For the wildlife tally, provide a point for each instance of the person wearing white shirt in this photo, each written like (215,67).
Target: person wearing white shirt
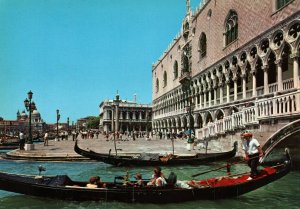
(253,152)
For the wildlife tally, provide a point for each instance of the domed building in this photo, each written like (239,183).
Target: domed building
(36,120)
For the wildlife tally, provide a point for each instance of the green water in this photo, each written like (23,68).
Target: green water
(284,193)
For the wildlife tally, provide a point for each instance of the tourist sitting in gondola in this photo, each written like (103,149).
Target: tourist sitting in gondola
(95,182)
(158,179)
(139,180)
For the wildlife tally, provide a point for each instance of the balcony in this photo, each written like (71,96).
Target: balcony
(185,77)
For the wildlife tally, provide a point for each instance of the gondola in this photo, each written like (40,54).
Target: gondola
(62,187)
(150,159)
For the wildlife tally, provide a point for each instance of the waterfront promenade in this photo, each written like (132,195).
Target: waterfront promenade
(63,150)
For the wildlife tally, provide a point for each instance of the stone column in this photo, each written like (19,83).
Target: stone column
(117,117)
(295,69)
(253,72)
(200,98)
(127,115)
(215,95)
(105,114)
(228,90)
(133,115)
(209,96)
(121,115)
(235,88)
(221,86)
(278,62)
(244,85)
(204,98)
(266,81)
(112,120)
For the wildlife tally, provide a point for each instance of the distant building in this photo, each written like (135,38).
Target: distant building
(131,116)
(82,123)
(12,127)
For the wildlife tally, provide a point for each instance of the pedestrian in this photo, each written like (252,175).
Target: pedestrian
(73,135)
(253,152)
(46,139)
(21,140)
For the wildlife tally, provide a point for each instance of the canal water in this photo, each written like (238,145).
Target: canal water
(284,193)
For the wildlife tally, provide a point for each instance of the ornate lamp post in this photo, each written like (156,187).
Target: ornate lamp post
(30,106)
(68,127)
(57,119)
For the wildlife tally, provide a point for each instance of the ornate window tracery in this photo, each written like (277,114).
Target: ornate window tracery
(231,27)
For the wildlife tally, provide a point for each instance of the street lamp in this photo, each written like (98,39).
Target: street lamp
(57,119)
(68,121)
(30,106)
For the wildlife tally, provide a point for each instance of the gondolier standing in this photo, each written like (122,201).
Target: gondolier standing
(253,152)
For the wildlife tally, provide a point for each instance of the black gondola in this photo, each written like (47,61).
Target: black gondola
(149,159)
(62,187)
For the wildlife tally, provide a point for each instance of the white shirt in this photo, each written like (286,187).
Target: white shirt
(21,135)
(252,147)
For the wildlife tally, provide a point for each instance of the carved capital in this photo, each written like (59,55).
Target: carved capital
(234,78)
(243,75)
(278,62)
(295,55)
(265,68)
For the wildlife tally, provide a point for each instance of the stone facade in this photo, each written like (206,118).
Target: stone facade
(241,62)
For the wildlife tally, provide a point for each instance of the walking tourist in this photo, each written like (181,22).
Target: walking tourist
(21,140)
(46,139)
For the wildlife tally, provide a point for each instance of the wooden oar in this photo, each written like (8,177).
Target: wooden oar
(225,166)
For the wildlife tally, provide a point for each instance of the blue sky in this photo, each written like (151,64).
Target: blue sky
(72,54)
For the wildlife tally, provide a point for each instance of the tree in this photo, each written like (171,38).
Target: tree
(93,122)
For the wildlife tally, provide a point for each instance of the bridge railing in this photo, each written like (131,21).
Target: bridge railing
(279,135)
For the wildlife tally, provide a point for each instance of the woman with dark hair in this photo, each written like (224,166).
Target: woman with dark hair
(158,178)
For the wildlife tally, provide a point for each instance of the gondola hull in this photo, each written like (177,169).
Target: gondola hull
(62,187)
(196,159)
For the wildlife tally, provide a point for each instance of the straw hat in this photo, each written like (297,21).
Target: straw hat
(247,134)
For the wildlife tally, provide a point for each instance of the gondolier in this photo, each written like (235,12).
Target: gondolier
(253,152)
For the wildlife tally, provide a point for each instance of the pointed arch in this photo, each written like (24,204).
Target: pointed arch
(231,27)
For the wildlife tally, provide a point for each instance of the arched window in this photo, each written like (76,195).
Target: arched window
(231,27)
(175,69)
(185,63)
(157,85)
(202,45)
(165,79)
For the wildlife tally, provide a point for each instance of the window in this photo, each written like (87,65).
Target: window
(281,3)
(231,27)
(175,69)
(202,45)
(157,85)
(165,79)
